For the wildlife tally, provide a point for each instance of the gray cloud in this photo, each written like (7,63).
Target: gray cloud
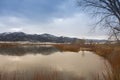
(57,17)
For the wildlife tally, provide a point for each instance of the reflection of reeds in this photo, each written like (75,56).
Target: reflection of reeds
(8,45)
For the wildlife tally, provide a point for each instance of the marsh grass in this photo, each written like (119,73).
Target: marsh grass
(68,47)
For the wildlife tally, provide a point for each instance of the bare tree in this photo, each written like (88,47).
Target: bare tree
(107,13)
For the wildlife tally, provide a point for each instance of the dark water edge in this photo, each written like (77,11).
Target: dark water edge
(23,50)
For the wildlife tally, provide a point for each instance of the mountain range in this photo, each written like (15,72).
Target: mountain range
(21,36)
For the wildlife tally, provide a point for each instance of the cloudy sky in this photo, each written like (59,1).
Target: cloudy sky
(57,17)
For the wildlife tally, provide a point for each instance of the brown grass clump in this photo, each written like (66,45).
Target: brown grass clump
(102,50)
(68,47)
(111,53)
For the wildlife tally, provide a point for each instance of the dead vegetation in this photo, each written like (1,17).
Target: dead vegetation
(68,47)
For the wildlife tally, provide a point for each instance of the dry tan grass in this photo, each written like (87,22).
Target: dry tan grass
(68,47)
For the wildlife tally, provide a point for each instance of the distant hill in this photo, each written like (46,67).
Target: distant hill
(20,36)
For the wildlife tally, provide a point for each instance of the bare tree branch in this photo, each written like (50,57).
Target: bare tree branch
(108,12)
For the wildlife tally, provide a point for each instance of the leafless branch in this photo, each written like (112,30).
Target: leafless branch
(108,12)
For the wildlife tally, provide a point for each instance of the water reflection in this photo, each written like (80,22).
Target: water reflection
(58,66)
(22,50)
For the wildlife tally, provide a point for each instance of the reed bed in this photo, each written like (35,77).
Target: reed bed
(68,47)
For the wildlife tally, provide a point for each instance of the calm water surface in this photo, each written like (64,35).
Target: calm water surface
(27,62)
